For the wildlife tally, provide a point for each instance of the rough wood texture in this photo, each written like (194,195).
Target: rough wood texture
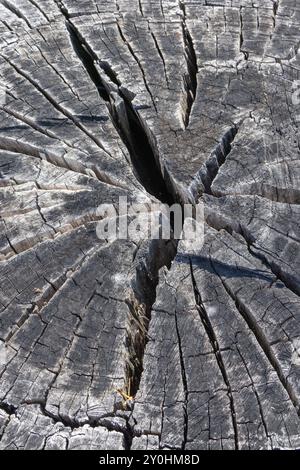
(170,100)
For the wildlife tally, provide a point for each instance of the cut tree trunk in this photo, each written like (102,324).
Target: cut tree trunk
(149,345)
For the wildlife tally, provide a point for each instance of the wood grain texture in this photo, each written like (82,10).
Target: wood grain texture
(172,101)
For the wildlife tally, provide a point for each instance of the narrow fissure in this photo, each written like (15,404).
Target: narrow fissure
(41,10)
(212,166)
(63,110)
(216,348)
(141,8)
(138,62)
(261,412)
(161,56)
(13,9)
(190,79)
(184,384)
(161,254)
(241,30)
(275,10)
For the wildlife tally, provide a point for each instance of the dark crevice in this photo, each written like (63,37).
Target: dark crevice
(190,79)
(41,213)
(161,253)
(146,163)
(133,131)
(8,408)
(217,351)
(10,411)
(141,7)
(144,289)
(275,6)
(128,436)
(13,249)
(246,54)
(275,10)
(89,59)
(241,30)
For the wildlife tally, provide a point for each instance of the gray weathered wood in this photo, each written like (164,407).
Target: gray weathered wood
(171,101)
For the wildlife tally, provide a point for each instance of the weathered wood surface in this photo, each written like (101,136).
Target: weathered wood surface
(156,100)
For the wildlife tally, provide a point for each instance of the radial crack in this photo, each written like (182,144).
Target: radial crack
(210,170)
(15,10)
(275,10)
(261,412)
(138,62)
(230,226)
(59,160)
(217,351)
(260,337)
(56,105)
(34,3)
(161,56)
(190,79)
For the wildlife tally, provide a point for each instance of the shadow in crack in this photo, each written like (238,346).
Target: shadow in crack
(225,270)
(13,128)
(79,117)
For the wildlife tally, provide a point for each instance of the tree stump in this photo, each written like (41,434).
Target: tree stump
(149,345)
